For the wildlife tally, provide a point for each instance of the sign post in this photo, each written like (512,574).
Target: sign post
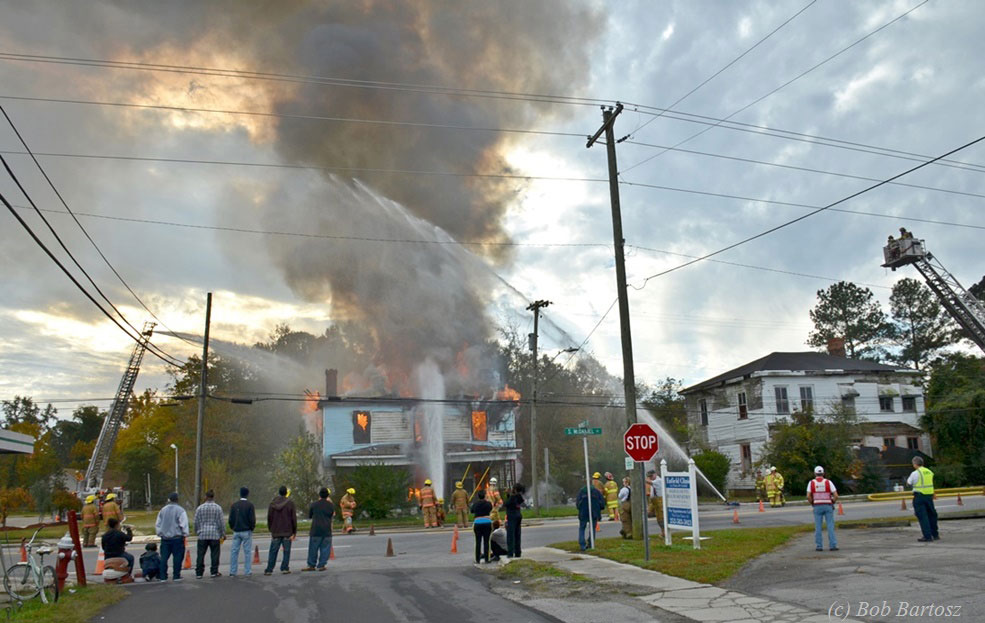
(583,431)
(680,502)
(641,443)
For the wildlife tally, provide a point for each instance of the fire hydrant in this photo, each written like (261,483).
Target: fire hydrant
(66,554)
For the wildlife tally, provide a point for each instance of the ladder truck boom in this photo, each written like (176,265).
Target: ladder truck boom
(963,306)
(111,426)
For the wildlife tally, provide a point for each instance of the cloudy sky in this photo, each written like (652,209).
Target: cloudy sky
(422,170)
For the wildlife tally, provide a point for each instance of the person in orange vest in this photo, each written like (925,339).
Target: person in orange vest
(460,504)
(90,522)
(493,497)
(611,492)
(427,505)
(348,506)
(112,509)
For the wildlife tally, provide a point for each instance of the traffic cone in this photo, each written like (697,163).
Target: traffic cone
(331,554)
(902,504)
(454,541)
(841,509)
(24,551)
(100,563)
(735,515)
(188,557)
(389,548)
(761,509)
(256,554)
(960,503)
(372,530)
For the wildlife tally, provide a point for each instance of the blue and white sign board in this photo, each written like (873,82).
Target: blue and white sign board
(680,497)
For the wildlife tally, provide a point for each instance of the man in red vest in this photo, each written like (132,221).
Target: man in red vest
(822,495)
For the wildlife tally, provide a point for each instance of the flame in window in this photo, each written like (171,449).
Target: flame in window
(362,420)
(480,428)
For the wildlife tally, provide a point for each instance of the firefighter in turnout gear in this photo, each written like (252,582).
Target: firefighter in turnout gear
(760,486)
(460,504)
(348,506)
(90,522)
(440,512)
(427,505)
(493,497)
(611,497)
(597,483)
(774,487)
(111,508)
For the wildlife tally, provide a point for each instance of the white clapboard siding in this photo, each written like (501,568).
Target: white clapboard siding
(457,427)
(391,427)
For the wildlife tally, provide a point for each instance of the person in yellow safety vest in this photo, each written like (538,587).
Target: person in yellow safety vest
(427,505)
(440,512)
(460,504)
(90,522)
(922,481)
(611,497)
(760,486)
(493,497)
(348,505)
(111,508)
(774,485)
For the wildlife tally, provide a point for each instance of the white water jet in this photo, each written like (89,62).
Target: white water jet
(667,440)
(431,387)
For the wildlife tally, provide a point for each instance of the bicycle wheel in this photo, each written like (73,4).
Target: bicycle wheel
(19,582)
(49,584)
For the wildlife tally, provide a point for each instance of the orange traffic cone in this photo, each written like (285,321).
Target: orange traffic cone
(389,548)
(331,554)
(188,557)
(902,504)
(761,509)
(372,530)
(735,515)
(24,551)
(454,541)
(960,503)
(100,563)
(256,554)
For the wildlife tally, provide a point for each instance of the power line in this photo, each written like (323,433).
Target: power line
(808,215)
(784,85)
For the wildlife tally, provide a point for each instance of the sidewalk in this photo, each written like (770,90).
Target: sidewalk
(691,601)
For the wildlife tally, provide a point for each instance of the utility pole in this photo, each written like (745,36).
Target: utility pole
(609,115)
(535,307)
(201,402)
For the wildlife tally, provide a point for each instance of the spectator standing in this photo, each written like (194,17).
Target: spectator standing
(481,526)
(172,528)
(922,482)
(514,517)
(282,520)
(115,541)
(822,495)
(626,509)
(320,539)
(242,521)
(655,497)
(210,527)
(585,502)
(497,541)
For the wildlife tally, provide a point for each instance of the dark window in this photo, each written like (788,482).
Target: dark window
(913,443)
(362,427)
(480,429)
(703,405)
(848,404)
(909,403)
(746,457)
(889,442)
(743,411)
(886,403)
(782,400)
(807,399)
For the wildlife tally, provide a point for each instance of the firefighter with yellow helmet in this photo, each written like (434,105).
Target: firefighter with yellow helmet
(611,492)
(428,501)
(112,508)
(493,497)
(597,483)
(774,487)
(348,505)
(460,504)
(90,522)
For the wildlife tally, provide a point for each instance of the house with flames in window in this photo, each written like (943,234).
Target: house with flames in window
(478,435)
(734,412)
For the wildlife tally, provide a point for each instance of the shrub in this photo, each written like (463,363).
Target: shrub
(715,466)
(379,488)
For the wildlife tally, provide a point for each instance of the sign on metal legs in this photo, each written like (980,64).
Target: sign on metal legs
(680,494)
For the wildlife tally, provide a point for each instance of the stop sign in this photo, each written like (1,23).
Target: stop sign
(641,442)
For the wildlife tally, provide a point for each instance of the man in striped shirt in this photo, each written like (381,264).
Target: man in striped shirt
(210,526)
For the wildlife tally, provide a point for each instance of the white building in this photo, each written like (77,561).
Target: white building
(733,411)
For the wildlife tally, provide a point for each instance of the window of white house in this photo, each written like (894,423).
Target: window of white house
(848,404)
(746,458)
(703,405)
(889,442)
(910,403)
(913,443)
(782,401)
(886,404)
(743,411)
(806,398)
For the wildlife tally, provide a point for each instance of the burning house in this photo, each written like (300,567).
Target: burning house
(465,437)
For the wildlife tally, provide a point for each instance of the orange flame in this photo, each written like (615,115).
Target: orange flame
(362,419)
(508,393)
(413,494)
(480,432)
(311,400)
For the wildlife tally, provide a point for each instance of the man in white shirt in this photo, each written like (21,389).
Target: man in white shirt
(822,495)
(922,483)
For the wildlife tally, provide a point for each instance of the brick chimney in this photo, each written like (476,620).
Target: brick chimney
(331,383)
(836,346)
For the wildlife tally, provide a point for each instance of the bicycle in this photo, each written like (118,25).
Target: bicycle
(26,580)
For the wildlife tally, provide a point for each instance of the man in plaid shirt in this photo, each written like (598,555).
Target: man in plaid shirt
(210,526)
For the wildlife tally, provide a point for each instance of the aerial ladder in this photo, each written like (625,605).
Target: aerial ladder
(111,426)
(963,306)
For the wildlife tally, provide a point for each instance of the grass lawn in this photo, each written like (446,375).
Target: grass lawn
(77,607)
(532,570)
(718,559)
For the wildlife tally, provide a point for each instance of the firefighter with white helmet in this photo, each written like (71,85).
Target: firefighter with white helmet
(494,497)
(428,501)
(90,522)
(611,492)
(460,504)
(348,505)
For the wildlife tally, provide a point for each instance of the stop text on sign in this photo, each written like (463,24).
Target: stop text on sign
(641,443)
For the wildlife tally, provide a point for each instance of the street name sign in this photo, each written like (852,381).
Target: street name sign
(583,431)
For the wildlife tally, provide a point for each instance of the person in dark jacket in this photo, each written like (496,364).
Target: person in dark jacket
(242,521)
(320,540)
(282,520)
(481,526)
(150,563)
(115,541)
(514,515)
(582,502)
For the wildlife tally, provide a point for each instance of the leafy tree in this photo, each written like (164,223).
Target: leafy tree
(920,326)
(848,311)
(667,407)
(798,444)
(715,466)
(299,467)
(22,415)
(64,500)
(13,498)
(72,437)
(955,415)
(379,488)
